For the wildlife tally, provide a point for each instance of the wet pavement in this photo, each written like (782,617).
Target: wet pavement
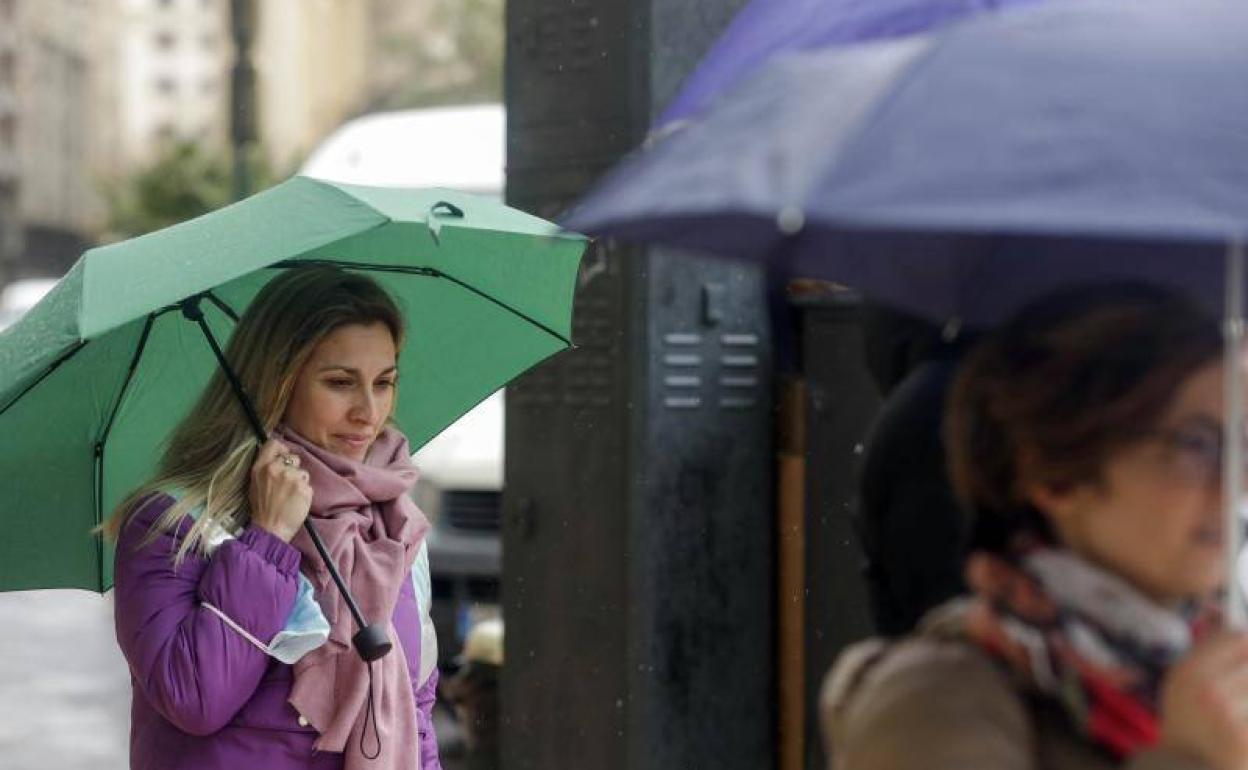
(64,688)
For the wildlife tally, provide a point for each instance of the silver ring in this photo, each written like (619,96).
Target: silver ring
(288,460)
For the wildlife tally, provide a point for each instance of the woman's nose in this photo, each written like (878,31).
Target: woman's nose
(365,407)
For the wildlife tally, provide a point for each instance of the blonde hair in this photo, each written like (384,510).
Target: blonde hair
(209,455)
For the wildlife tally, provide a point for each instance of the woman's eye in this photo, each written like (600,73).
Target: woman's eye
(385,384)
(339,384)
(1201,444)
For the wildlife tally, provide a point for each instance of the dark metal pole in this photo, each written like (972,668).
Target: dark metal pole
(242,94)
(371,641)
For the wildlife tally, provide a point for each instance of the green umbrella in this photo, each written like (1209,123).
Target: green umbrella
(96,375)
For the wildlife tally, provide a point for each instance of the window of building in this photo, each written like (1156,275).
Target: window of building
(165,3)
(209,41)
(8,9)
(166,86)
(165,133)
(166,40)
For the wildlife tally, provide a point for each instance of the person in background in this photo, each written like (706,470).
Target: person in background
(910,527)
(1085,440)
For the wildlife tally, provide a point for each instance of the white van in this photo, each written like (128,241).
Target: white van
(20,296)
(457,147)
(461,148)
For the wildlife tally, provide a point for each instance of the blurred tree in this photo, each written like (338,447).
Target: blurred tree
(183,182)
(436,52)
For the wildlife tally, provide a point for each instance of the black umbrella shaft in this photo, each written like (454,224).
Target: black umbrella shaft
(192,311)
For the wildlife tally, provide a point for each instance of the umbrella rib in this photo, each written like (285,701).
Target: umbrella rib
(429,272)
(222,306)
(103,438)
(134,365)
(46,373)
(506,307)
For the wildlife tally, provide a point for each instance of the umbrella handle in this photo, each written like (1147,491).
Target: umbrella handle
(371,641)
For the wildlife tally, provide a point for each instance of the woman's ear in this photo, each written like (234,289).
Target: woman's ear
(1049,499)
(1058,502)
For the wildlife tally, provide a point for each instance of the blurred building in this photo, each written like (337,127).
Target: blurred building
(93,90)
(173,75)
(434,53)
(10,227)
(311,63)
(49,138)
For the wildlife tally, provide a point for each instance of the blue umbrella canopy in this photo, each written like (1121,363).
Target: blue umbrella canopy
(765,29)
(960,172)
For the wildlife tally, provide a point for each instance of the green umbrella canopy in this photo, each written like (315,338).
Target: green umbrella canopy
(94,377)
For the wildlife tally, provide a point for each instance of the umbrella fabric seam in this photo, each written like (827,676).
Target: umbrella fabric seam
(46,373)
(558,232)
(428,272)
(902,83)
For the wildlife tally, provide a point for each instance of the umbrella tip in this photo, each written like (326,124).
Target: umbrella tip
(790,220)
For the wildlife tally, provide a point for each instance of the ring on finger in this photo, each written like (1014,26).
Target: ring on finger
(288,460)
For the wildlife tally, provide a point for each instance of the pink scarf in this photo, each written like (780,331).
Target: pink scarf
(372,529)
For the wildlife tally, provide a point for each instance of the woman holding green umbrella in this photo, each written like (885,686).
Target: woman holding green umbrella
(239,646)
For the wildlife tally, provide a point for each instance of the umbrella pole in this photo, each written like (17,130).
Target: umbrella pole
(371,641)
(1233,427)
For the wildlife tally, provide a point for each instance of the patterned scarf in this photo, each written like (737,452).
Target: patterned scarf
(372,530)
(1078,635)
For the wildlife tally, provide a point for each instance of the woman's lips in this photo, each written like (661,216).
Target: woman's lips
(357,442)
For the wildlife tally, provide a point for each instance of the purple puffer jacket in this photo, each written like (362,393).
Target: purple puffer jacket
(205,698)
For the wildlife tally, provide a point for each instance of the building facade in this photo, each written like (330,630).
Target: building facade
(49,140)
(311,66)
(172,69)
(93,90)
(10,223)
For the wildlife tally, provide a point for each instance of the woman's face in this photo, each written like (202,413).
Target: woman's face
(345,392)
(1155,517)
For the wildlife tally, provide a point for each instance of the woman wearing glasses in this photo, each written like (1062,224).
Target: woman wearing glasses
(1085,438)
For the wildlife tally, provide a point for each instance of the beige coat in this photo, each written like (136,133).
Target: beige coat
(925,703)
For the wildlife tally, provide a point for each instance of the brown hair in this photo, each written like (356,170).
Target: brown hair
(209,454)
(1071,380)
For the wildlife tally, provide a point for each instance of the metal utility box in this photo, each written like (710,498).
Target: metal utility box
(638,547)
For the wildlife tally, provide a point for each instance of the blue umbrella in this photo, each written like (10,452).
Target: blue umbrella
(767,28)
(931,171)
(960,173)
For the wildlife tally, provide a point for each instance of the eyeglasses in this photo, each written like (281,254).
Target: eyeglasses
(1195,451)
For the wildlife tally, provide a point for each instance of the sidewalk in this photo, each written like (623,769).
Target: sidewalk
(64,687)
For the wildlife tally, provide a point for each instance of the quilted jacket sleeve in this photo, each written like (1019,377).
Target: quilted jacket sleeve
(426,696)
(189,663)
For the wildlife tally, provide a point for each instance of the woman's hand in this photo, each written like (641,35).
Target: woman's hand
(1204,703)
(280,494)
